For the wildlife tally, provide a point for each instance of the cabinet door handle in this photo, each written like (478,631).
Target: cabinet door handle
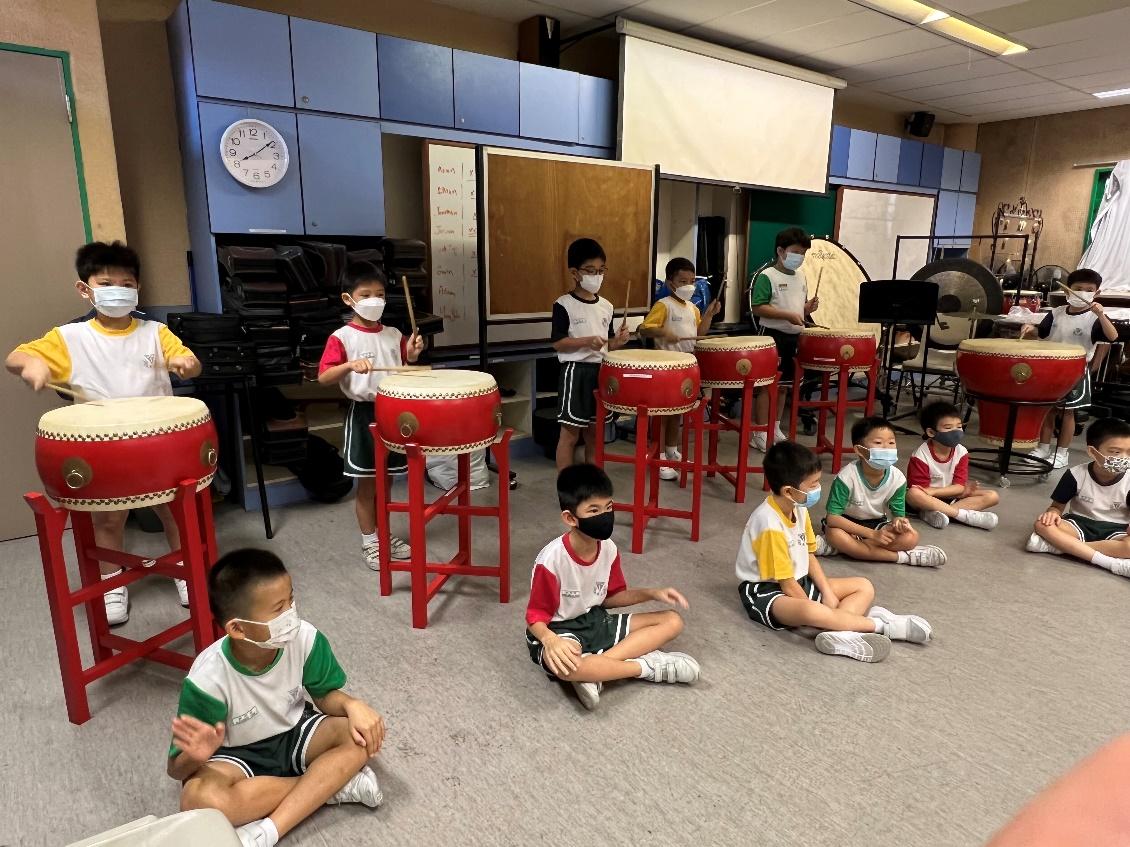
(305,100)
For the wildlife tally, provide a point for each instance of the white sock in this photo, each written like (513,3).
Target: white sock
(368,539)
(1046,446)
(963,514)
(264,827)
(670,452)
(1061,451)
(903,557)
(880,626)
(115,573)
(1107,563)
(645,668)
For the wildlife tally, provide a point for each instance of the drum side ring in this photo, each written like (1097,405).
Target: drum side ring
(123,436)
(152,498)
(397,447)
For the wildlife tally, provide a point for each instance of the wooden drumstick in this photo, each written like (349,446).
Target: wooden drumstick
(627,300)
(69,392)
(408,300)
(1072,293)
(819,274)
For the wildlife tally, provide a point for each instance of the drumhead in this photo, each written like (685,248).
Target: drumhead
(735,343)
(839,275)
(128,417)
(820,332)
(1014,347)
(655,360)
(439,384)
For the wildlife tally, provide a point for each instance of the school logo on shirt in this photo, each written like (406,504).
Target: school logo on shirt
(296,696)
(150,360)
(246,716)
(570,592)
(600,587)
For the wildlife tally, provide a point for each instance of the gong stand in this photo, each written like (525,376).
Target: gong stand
(1010,220)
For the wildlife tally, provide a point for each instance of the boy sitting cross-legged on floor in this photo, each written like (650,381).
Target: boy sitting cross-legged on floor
(937,476)
(1090,507)
(783,584)
(576,579)
(246,740)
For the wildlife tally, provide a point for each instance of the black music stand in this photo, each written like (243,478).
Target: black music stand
(899,302)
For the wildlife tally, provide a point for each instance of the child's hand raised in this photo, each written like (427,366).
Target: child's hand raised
(415,346)
(670,596)
(198,740)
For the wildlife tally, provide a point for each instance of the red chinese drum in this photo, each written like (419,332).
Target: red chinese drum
(108,455)
(667,383)
(730,362)
(1029,300)
(440,411)
(1005,369)
(829,349)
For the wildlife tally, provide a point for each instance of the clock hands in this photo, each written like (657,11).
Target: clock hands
(257,152)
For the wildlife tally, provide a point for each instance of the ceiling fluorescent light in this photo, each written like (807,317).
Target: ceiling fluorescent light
(910,11)
(975,36)
(1118,92)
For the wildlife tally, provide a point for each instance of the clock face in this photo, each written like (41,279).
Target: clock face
(254,153)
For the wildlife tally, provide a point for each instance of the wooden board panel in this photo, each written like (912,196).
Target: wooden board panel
(537,205)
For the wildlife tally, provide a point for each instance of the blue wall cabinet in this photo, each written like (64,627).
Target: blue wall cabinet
(887,151)
(838,158)
(232,206)
(335,68)
(910,162)
(963,220)
(861,155)
(486,93)
(946,218)
(951,169)
(342,176)
(598,111)
(970,171)
(549,103)
(932,155)
(417,83)
(241,54)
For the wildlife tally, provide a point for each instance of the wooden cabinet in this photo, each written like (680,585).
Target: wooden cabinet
(417,82)
(335,68)
(486,93)
(342,176)
(240,54)
(549,103)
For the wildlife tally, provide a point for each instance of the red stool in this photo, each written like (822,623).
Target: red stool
(192,510)
(647,460)
(455,501)
(838,406)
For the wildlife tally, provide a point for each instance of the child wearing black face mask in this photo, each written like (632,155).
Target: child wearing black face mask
(576,578)
(937,477)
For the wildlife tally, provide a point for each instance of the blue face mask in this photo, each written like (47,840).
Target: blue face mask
(881,458)
(812,498)
(792,261)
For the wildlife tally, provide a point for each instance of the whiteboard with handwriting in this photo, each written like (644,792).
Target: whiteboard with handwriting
(453,234)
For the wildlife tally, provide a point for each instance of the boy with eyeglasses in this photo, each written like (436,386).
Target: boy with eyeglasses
(581,331)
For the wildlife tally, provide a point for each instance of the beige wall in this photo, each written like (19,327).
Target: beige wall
(148,154)
(72,25)
(857,115)
(1033,157)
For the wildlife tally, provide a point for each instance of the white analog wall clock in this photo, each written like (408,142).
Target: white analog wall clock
(254,153)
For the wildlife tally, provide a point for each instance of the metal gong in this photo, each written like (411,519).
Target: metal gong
(965,288)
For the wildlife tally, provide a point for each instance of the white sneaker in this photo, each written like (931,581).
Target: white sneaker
(117,606)
(372,554)
(1044,451)
(938,520)
(363,788)
(182,592)
(861,646)
(1036,544)
(758,441)
(1121,567)
(981,520)
(824,549)
(670,667)
(926,556)
(399,549)
(779,434)
(253,835)
(668,473)
(902,627)
(1062,459)
(588,693)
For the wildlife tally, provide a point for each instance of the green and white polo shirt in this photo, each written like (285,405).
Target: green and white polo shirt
(856,499)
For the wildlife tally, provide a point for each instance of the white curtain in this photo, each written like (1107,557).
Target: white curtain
(1109,253)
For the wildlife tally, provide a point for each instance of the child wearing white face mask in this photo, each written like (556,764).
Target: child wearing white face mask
(1090,507)
(112,355)
(353,359)
(247,740)
(674,323)
(866,511)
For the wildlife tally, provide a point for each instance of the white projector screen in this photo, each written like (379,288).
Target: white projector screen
(704,118)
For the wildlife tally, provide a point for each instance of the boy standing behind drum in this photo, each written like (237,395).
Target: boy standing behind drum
(581,328)
(112,355)
(354,358)
(780,302)
(674,323)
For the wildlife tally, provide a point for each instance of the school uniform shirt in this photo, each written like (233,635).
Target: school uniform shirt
(1086,497)
(254,705)
(773,547)
(1064,327)
(577,318)
(926,470)
(782,291)
(104,364)
(384,346)
(679,316)
(853,497)
(564,586)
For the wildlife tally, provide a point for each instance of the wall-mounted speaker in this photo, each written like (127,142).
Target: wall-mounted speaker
(539,41)
(920,123)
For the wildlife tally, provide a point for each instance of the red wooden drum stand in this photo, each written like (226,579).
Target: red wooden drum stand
(647,460)
(837,406)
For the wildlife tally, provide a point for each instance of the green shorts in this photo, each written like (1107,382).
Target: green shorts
(1089,529)
(576,394)
(596,631)
(758,598)
(360,453)
(280,755)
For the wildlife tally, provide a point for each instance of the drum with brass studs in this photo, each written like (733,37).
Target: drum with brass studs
(830,349)
(108,455)
(730,362)
(667,383)
(440,411)
(1007,369)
